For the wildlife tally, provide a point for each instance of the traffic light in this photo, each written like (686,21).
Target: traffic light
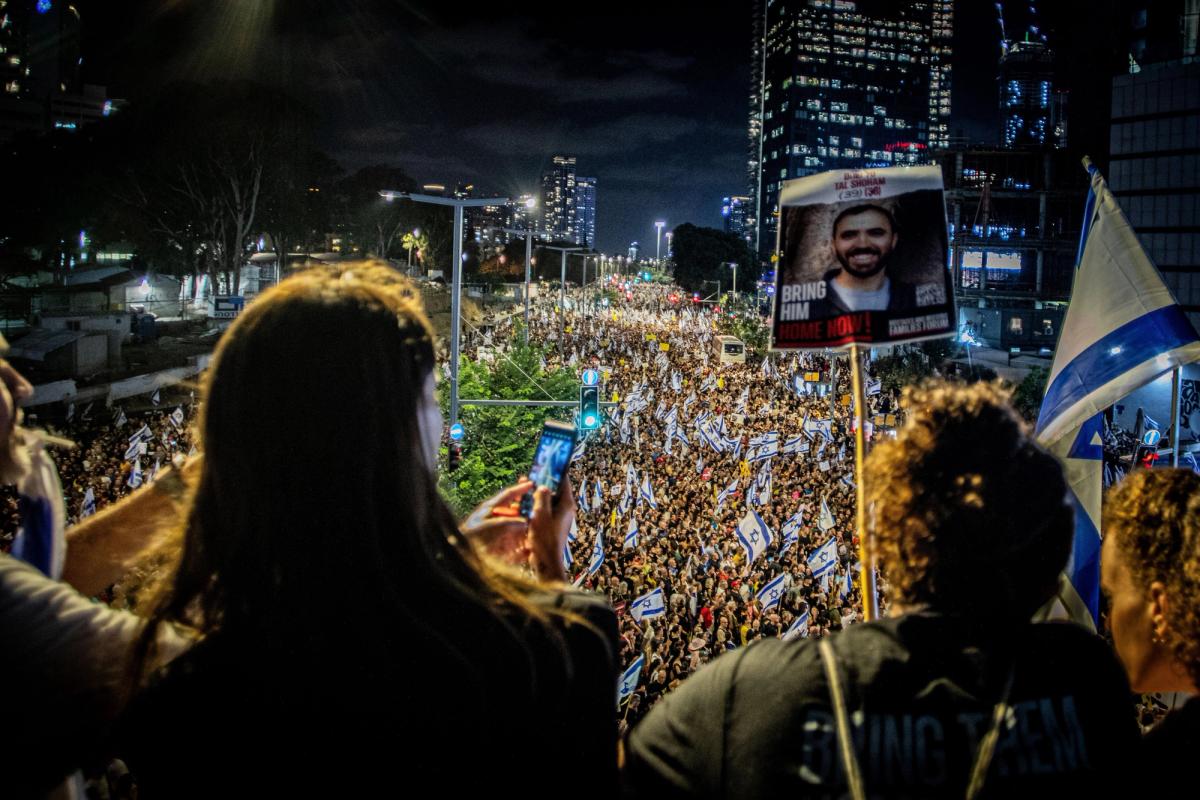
(453,456)
(589,408)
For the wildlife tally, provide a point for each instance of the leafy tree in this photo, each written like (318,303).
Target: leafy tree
(499,441)
(703,254)
(1027,398)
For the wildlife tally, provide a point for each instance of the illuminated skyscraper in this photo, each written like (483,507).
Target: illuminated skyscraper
(736,212)
(849,84)
(559,212)
(585,211)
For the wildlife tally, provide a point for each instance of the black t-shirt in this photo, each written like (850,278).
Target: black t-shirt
(221,721)
(920,690)
(1175,740)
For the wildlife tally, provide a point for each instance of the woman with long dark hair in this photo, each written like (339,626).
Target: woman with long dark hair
(350,636)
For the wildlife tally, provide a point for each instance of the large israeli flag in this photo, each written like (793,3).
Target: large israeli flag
(629,680)
(770,595)
(631,535)
(791,531)
(753,535)
(797,444)
(825,519)
(40,539)
(651,604)
(597,553)
(1123,329)
(797,629)
(823,559)
(647,492)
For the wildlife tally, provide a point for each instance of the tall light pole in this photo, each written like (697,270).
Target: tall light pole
(455,271)
(562,288)
(670,236)
(528,234)
(658,229)
(734,265)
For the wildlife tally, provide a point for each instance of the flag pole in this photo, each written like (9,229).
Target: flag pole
(867,581)
(1176,378)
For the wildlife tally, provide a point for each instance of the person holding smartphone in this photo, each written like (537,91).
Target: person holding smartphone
(345,634)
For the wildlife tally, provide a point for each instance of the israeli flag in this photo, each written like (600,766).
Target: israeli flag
(155,398)
(676,382)
(708,383)
(753,535)
(821,447)
(848,479)
(823,559)
(769,450)
(629,680)
(770,595)
(1189,460)
(132,451)
(648,491)
(177,417)
(583,497)
(153,471)
(631,535)
(651,604)
(566,556)
(825,520)
(797,629)
(700,464)
(691,398)
(1122,330)
(88,507)
(791,531)
(712,441)
(598,497)
(745,398)
(135,475)
(1151,425)
(40,540)
(874,386)
(577,453)
(846,583)
(764,438)
(143,434)
(626,502)
(724,494)
(121,419)
(597,553)
(794,445)
(573,534)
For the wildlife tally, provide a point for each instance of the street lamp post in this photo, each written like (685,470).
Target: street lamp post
(458,203)
(562,288)
(658,229)
(734,265)
(528,234)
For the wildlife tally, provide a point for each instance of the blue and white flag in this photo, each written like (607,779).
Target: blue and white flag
(597,553)
(1122,330)
(797,629)
(135,474)
(573,534)
(132,451)
(745,398)
(142,434)
(728,490)
(824,427)
(846,582)
(825,520)
(153,472)
(676,381)
(691,398)
(566,556)
(768,450)
(177,417)
(88,506)
(120,419)
(772,593)
(765,369)
(791,531)
(1151,425)
(629,680)
(577,453)
(797,444)
(848,479)
(631,534)
(40,540)
(583,497)
(874,386)
(764,438)
(708,383)
(651,604)
(647,492)
(598,498)
(155,398)
(1189,460)
(823,559)
(715,442)
(700,464)
(753,535)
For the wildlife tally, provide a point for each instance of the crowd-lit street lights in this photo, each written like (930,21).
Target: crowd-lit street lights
(658,229)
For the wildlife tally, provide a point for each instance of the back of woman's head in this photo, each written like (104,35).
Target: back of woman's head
(970,514)
(1153,517)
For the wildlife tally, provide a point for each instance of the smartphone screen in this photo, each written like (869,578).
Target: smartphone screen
(550,460)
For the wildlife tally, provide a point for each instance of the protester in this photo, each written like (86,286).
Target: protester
(1150,572)
(956,692)
(351,638)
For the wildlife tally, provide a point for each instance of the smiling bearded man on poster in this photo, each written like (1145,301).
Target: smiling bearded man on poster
(863,238)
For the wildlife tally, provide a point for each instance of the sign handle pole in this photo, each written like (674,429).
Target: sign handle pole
(867,584)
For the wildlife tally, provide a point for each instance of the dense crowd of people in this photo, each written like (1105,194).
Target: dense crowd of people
(660,363)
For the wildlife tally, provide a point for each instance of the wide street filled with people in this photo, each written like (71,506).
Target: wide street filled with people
(694,447)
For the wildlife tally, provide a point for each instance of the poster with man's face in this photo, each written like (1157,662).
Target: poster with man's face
(862,258)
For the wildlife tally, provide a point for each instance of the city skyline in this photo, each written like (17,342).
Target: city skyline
(653,99)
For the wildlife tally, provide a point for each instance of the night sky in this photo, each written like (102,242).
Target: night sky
(651,98)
